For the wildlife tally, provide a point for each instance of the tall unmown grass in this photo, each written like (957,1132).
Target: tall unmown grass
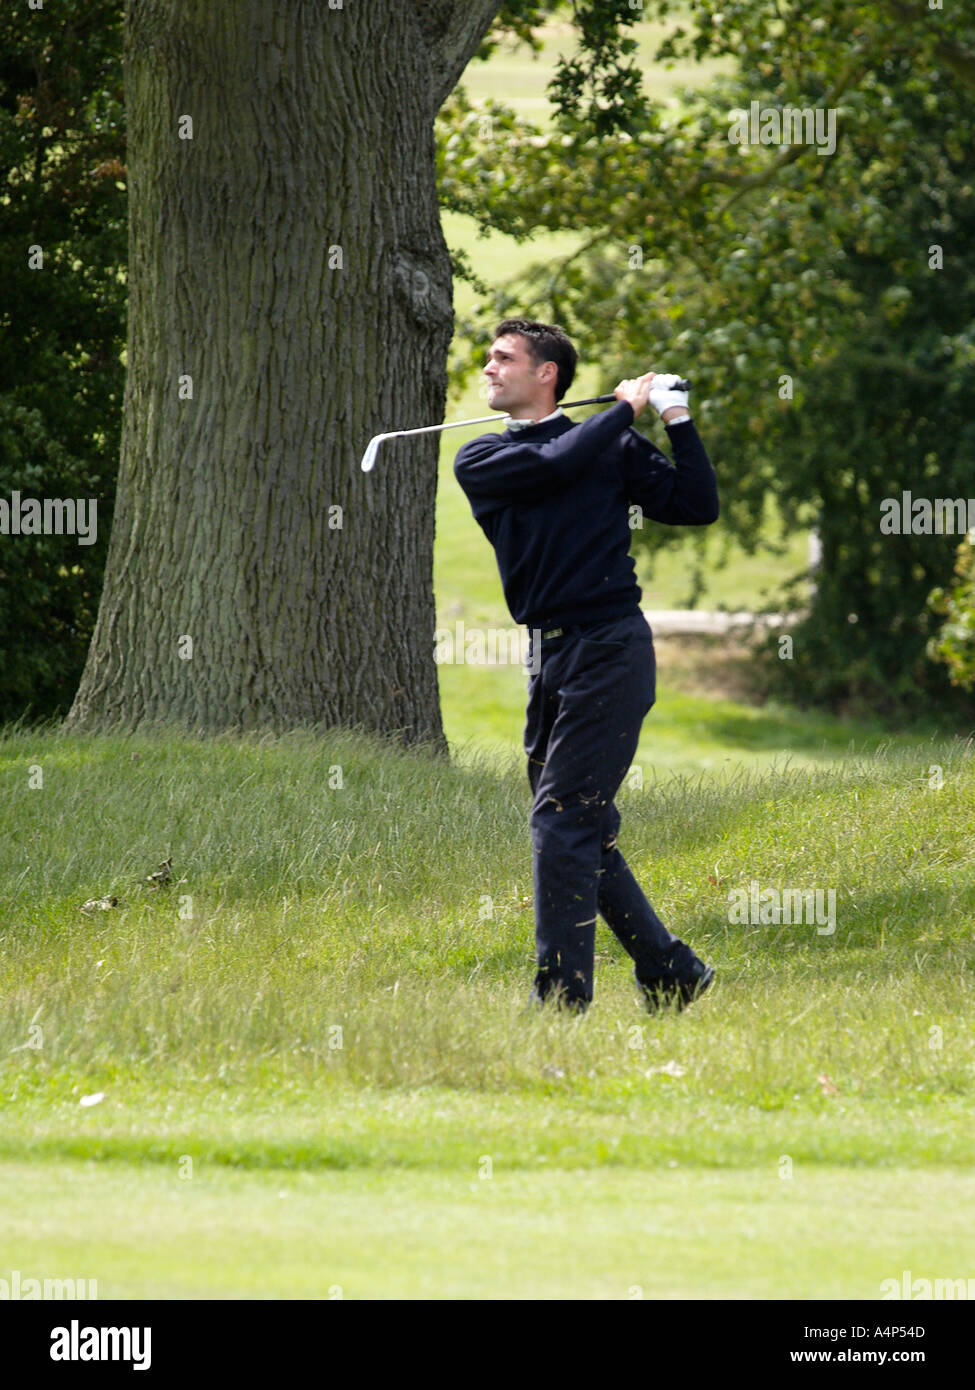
(379,933)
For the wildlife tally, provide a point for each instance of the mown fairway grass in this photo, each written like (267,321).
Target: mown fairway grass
(553,1233)
(324,1076)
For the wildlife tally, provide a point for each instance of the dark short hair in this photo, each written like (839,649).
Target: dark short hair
(546,343)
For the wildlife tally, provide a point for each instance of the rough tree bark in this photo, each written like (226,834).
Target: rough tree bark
(289,259)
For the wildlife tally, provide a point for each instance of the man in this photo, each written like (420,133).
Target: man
(554,500)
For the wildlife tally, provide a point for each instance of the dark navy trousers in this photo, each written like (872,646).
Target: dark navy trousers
(587,698)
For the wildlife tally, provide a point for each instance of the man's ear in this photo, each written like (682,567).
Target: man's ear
(549,373)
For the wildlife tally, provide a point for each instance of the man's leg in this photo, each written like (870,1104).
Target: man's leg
(543,707)
(662,962)
(624,905)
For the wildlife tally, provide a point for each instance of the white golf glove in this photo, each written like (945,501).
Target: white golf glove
(662,395)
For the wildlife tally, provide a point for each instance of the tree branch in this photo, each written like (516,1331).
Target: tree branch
(744,183)
(452,30)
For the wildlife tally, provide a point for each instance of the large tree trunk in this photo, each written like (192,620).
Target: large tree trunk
(312,144)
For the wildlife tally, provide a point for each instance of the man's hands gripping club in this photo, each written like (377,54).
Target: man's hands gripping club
(658,389)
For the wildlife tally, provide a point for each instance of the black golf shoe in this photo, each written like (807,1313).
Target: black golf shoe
(677,990)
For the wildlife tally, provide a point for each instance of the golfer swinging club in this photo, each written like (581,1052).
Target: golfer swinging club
(554,500)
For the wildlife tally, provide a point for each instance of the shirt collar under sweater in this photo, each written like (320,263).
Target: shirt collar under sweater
(528,424)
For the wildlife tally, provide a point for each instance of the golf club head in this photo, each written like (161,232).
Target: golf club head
(372,449)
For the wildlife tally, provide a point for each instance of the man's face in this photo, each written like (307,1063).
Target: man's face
(512,375)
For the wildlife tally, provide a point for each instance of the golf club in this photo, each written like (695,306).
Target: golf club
(372,448)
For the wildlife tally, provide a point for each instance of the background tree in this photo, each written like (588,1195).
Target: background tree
(62,158)
(290,295)
(954,641)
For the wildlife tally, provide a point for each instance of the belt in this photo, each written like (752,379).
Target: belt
(581,627)
(572,627)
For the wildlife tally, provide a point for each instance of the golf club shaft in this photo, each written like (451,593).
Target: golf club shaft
(682,385)
(372,448)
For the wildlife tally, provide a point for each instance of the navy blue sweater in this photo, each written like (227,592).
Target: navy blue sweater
(553,499)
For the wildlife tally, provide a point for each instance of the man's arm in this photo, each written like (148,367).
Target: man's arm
(488,468)
(685,495)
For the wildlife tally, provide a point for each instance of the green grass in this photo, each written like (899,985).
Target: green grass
(329,1004)
(453,1235)
(684,735)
